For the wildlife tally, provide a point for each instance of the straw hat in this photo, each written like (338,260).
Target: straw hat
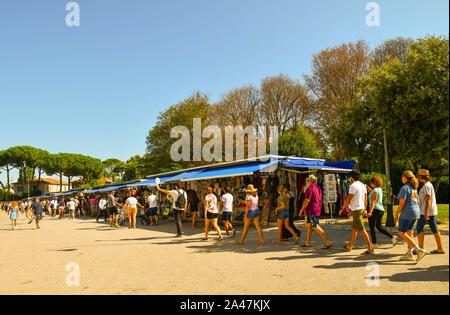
(250,189)
(423,172)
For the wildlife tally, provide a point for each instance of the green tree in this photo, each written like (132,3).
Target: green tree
(299,142)
(410,99)
(159,141)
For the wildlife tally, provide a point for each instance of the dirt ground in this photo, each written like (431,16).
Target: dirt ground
(150,260)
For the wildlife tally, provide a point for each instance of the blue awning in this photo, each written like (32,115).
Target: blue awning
(166,179)
(235,170)
(336,167)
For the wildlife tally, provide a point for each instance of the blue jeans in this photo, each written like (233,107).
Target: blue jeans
(431,223)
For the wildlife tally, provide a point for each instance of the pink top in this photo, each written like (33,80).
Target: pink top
(253,202)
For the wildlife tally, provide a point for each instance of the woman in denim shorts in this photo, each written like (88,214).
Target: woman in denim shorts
(283,215)
(251,214)
(407,214)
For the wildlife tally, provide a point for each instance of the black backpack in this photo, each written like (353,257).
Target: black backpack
(181,200)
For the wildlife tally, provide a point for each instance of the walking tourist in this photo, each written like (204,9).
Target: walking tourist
(13,212)
(227,206)
(312,207)
(211,213)
(357,199)
(428,212)
(407,214)
(252,213)
(283,215)
(193,203)
(376,211)
(37,211)
(179,204)
(153,208)
(131,205)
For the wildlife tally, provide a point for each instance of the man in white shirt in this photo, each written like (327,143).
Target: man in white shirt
(179,204)
(153,207)
(227,205)
(357,199)
(102,208)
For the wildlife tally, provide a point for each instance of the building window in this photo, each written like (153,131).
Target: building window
(19,188)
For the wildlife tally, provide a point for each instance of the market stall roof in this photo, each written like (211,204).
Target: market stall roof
(235,170)
(336,167)
(170,178)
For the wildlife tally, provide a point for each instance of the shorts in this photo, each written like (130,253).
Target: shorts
(226,216)
(194,209)
(358,220)
(113,211)
(313,220)
(153,212)
(61,208)
(72,210)
(431,223)
(283,215)
(252,214)
(132,211)
(38,216)
(212,216)
(406,225)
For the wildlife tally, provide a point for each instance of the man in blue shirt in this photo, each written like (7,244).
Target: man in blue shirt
(37,210)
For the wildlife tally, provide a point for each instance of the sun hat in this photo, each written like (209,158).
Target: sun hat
(250,188)
(423,172)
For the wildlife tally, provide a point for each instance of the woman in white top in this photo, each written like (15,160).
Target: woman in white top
(251,214)
(132,205)
(211,213)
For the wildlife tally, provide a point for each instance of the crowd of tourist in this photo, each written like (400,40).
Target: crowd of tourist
(416,209)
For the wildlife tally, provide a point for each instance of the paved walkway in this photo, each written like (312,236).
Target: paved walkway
(149,260)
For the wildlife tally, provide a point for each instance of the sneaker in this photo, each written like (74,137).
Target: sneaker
(420,255)
(179,235)
(394,241)
(407,257)
(375,246)
(117,226)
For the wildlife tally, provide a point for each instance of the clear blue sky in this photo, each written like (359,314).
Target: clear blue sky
(97,89)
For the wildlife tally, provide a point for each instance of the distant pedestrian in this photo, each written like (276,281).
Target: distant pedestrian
(113,210)
(61,208)
(283,215)
(407,214)
(71,207)
(428,212)
(193,205)
(227,206)
(153,208)
(131,205)
(13,212)
(376,211)
(102,208)
(211,213)
(37,211)
(357,199)
(252,214)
